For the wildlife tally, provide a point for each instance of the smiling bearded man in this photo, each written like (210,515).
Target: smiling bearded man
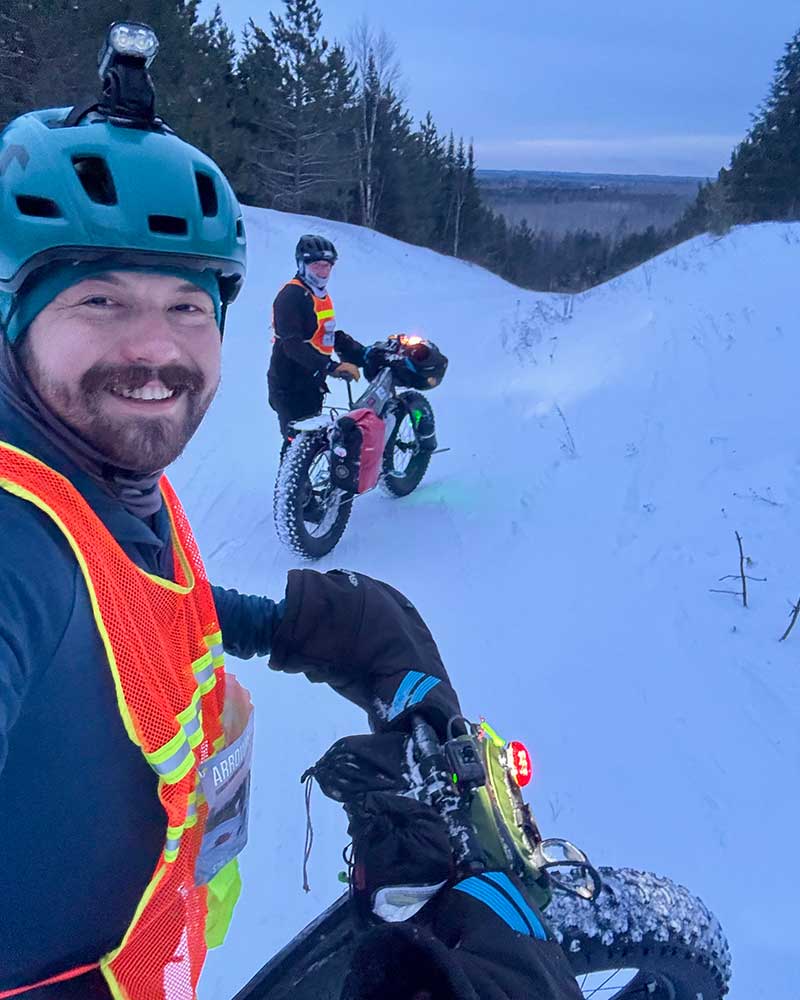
(128,360)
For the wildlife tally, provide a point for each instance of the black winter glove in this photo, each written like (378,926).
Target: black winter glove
(368,642)
(479,940)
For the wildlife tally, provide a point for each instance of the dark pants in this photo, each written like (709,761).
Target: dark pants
(297,405)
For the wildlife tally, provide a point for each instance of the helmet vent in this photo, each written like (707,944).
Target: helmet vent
(41,208)
(96,179)
(240,229)
(207,192)
(172,225)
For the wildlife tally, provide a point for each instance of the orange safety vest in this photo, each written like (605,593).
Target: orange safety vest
(164,648)
(323,339)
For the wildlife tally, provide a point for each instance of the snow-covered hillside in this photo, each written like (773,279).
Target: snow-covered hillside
(604,451)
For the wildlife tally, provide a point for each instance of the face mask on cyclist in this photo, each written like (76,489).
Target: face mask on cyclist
(316,274)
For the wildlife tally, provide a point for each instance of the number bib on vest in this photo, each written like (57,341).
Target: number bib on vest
(225,784)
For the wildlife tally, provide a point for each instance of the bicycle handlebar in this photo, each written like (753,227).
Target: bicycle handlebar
(443,795)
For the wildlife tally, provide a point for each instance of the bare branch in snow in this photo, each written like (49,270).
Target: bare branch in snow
(741,575)
(741,569)
(569,444)
(794,613)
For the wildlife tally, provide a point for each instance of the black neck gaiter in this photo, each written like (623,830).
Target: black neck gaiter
(137,492)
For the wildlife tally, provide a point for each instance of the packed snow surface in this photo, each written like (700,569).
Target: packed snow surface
(604,451)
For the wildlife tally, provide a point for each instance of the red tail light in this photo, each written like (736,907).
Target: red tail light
(519,760)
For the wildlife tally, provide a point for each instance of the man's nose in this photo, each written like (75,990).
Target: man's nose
(151,340)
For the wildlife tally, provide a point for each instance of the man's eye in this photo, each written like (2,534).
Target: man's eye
(187,307)
(99,302)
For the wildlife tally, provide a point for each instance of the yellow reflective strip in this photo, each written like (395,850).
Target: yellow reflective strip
(204,676)
(177,766)
(219,742)
(196,738)
(326,313)
(216,648)
(191,720)
(206,686)
(213,640)
(190,712)
(202,662)
(168,750)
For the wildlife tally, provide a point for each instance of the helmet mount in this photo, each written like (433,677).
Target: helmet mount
(128,98)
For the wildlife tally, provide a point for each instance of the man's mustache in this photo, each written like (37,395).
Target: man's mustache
(178,378)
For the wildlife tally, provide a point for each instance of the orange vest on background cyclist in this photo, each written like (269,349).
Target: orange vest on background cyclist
(305,337)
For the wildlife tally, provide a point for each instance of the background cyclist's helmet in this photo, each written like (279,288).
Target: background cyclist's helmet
(312,248)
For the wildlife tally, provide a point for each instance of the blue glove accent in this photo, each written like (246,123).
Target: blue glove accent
(412,689)
(514,910)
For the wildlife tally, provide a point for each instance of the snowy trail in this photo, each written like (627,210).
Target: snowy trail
(563,553)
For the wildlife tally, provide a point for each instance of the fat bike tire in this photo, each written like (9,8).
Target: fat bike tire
(645,934)
(405,461)
(310,540)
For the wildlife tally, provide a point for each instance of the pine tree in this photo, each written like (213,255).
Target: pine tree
(258,98)
(306,130)
(764,177)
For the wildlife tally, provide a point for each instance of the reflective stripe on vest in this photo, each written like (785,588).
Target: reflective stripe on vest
(164,648)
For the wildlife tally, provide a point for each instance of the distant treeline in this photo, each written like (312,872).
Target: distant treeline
(302,124)
(611,205)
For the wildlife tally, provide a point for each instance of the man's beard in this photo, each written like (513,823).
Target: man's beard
(142,444)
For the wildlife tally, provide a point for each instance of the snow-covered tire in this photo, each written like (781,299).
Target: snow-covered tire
(311,541)
(401,476)
(647,923)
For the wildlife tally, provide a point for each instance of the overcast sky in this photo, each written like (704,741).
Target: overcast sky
(624,86)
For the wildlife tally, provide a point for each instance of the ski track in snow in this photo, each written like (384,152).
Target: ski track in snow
(562,553)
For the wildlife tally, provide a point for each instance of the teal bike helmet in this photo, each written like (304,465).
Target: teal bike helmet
(83,188)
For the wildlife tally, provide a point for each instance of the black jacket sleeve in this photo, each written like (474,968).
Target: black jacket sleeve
(247,622)
(366,640)
(295,322)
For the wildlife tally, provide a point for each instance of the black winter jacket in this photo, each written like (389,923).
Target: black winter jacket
(297,370)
